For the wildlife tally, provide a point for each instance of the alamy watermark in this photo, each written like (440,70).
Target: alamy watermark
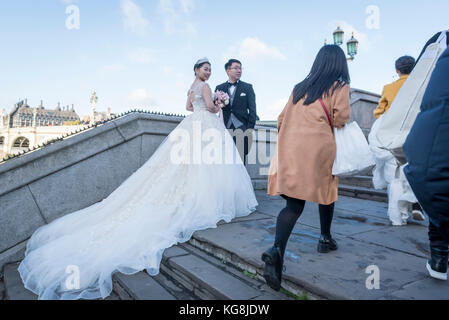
(373,19)
(73,281)
(214,146)
(72,21)
(373,280)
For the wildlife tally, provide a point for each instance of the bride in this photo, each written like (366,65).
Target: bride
(163,203)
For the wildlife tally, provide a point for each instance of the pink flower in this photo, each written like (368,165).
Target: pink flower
(221,98)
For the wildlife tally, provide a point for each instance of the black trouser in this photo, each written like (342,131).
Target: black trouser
(436,239)
(247,141)
(289,215)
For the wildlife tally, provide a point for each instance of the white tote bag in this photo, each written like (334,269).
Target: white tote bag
(402,114)
(353,153)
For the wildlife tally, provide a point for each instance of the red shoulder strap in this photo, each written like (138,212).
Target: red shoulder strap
(327,114)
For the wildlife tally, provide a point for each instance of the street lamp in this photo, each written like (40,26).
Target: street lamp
(338,36)
(352,43)
(353,46)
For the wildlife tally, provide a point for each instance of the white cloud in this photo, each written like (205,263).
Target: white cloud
(113,68)
(133,19)
(181,81)
(273,110)
(170,15)
(140,97)
(254,48)
(168,70)
(187,5)
(141,55)
(174,13)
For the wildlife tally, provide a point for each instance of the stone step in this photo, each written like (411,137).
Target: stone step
(186,273)
(230,259)
(363,193)
(140,286)
(358,181)
(357,187)
(260,184)
(14,288)
(207,278)
(2,290)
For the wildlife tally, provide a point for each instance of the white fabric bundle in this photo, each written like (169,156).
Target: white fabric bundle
(384,172)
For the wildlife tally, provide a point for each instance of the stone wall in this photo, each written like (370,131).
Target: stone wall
(363,104)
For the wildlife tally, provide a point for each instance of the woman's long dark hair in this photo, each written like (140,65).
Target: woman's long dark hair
(330,65)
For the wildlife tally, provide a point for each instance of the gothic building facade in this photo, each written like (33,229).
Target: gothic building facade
(23,115)
(25,126)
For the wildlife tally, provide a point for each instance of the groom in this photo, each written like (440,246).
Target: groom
(240,113)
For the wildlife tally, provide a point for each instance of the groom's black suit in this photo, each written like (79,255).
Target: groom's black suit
(243,111)
(243,106)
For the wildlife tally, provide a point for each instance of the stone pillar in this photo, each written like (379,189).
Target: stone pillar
(92,114)
(34,124)
(6,146)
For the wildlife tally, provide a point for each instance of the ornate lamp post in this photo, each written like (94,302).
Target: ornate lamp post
(352,44)
(338,36)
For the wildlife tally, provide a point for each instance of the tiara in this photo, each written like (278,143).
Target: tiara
(203,60)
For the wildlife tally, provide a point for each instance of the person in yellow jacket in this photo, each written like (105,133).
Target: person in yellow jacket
(404,66)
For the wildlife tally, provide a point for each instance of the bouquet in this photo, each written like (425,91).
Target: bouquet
(221,98)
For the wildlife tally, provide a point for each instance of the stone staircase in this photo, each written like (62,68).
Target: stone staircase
(356,186)
(361,187)
(186,273)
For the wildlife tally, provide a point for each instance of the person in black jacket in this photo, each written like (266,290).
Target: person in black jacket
(427,152)
(241,112)
(432,40)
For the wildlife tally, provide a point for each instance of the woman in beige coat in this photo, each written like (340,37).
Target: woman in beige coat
(302,168)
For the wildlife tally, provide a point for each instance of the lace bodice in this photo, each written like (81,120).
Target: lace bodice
(198,101)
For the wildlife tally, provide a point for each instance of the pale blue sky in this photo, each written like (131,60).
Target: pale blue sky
(140,53)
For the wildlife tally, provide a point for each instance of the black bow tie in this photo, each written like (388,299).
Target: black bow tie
(233,84)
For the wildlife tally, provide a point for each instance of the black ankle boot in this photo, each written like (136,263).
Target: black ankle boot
(326,244)
(437,265)
(273,267)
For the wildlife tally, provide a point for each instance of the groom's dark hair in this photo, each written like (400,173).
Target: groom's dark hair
(230,62)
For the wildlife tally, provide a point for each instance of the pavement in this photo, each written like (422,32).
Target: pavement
(367,241)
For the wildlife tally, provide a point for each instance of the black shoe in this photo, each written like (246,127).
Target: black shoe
(273,267)
(437,265)
(417,213)
(326,244)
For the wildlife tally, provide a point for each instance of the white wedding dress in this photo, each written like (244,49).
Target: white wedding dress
(161,204)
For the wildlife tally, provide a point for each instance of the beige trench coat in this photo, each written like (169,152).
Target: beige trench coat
(302,166)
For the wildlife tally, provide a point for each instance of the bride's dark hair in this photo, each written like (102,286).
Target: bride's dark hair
(330,66)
